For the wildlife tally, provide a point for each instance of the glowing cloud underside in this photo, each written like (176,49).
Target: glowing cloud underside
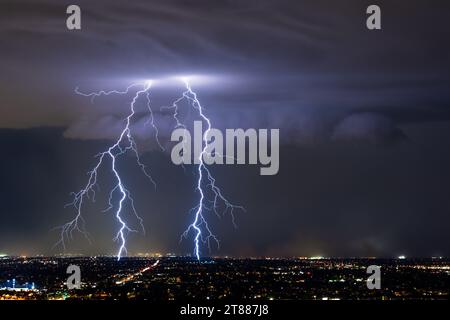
(126,143)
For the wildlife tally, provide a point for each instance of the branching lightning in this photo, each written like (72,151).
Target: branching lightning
(124,143)
(205,181)
(210,199)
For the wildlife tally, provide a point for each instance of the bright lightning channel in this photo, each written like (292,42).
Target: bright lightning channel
(205,180)
(124,143)
(199,226)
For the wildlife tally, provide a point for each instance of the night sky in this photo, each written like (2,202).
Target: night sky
(364,119)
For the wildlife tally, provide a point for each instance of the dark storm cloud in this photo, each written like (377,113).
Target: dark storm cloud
(364,117)
(369,127)
(304,59)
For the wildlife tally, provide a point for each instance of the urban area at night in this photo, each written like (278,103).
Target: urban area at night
(165,278)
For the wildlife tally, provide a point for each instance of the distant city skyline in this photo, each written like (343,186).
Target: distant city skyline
(206,257)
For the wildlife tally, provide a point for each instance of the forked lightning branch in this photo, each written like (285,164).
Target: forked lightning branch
(206,148)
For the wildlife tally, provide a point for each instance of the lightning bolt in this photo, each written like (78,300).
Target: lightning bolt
(205,181)
(124,143)
(210,195)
